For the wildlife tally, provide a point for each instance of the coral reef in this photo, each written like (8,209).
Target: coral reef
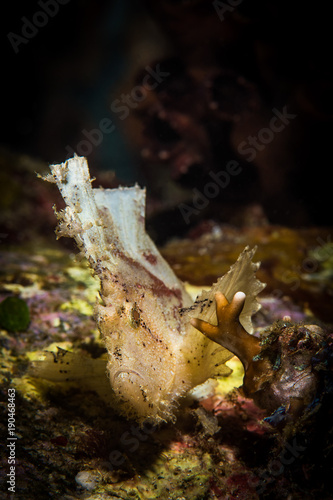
(226,74)
(287,371)
(294,263)
(72,445)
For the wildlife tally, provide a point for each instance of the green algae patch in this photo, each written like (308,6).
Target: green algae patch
(14,314)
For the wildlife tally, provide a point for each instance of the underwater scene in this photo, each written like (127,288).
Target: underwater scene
(166,250)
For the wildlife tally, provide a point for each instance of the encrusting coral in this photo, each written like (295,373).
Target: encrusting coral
(155,355)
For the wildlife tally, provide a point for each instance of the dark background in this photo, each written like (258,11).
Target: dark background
(262,55)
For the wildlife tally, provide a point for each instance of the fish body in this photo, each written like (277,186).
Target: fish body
(155,356)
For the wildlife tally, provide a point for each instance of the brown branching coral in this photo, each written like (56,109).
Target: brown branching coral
(235,337)
(230,333)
